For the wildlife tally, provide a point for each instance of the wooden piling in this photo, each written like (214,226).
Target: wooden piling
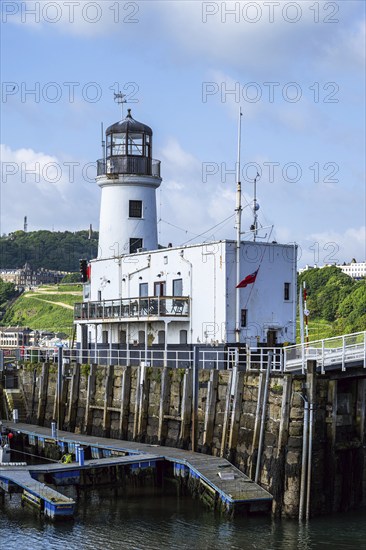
(235,414)
(227,415)
(108,395)
(62,406)
(279,481)
(164,405)
(125,403)
(73,398)
(42,394)
(90,398)
(143,404)
(210,409)
(137,404)
(186,410)
(257,423)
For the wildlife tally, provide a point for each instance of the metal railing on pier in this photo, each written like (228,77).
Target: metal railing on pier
(338,352)
(206,358)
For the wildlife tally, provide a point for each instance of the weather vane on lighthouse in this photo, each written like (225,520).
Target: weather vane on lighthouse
(120,98)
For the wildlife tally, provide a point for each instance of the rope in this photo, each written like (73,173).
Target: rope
(37,456)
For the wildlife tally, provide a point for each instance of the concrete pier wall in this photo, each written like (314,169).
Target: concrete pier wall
(157,406)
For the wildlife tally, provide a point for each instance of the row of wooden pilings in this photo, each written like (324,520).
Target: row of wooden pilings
(216,424)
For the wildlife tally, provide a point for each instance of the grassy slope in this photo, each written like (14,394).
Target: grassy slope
(318,329)
(34,309)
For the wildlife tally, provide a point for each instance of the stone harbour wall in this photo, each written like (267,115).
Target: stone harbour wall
(221,413)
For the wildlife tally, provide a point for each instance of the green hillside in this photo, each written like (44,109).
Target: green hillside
(337,303)
(46,308)
(49,249)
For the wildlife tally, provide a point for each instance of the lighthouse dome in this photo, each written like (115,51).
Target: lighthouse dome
(129,125)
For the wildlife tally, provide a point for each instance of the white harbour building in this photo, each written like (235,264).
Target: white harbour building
(139,295)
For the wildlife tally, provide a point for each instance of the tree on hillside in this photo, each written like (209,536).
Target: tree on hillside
(7,292)
(71,278)
(48,249)
(337,298)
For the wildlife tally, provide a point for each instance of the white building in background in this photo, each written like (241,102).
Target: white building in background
(139,294)
(356,270)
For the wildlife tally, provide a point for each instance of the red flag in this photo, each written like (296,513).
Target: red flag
(248,280)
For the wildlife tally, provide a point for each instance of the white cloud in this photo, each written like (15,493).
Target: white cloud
(50,191)
(79,18)
(333,247)
(247,35)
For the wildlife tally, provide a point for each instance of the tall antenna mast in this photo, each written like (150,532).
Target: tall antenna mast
(25,224)
(238,211)
(120,98)
(254,227)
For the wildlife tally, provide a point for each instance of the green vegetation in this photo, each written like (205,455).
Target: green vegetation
(337,303)
(7,292)
(48,308)
(71,278)
(48,249)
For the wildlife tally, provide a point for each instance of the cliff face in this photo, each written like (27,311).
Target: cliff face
(219,413)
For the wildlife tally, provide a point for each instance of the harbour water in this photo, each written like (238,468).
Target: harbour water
(107,520)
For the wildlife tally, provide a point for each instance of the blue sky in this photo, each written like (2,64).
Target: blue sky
(296,69)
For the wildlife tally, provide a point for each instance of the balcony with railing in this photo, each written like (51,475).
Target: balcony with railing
(133,308)
(128,165)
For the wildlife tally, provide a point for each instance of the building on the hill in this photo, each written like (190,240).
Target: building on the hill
(354,269)
(138,294)
(14,337)
(28,277)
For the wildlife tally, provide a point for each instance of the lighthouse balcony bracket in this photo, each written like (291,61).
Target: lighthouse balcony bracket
(142,166)
(133,308)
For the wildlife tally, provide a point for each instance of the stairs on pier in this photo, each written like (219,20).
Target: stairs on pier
(15,401)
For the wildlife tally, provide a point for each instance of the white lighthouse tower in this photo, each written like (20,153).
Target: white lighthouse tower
(128,177)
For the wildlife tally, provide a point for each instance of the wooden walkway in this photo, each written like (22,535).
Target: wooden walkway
(51,502)
(218,475)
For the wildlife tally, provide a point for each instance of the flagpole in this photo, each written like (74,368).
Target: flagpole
(238,211)
(301,315)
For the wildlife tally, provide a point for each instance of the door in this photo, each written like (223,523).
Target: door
(272,338)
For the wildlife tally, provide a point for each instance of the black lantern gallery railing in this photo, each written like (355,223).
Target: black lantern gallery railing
(142,166)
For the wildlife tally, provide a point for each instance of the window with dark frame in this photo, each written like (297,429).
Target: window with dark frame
(243,318)
(143,290)
(135,209)
(286,291)
(177,287)
(135,244)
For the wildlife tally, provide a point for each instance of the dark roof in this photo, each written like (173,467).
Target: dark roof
(129,124)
